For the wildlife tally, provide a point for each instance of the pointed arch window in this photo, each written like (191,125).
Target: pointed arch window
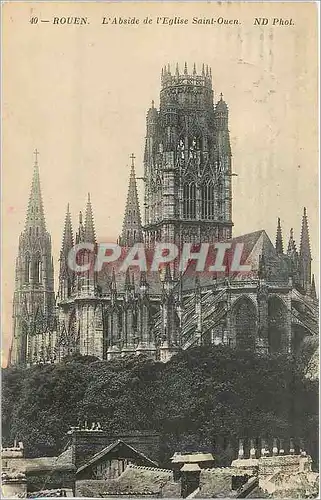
(189,200)
(27,268)
(37,269)
(208,200)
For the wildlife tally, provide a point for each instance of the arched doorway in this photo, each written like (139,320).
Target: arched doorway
(245,323)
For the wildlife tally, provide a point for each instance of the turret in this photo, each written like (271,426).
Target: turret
(221,114)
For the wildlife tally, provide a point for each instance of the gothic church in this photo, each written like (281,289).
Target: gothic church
(187,198)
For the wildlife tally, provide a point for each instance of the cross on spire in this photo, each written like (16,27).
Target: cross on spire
(132,157)
(36,153)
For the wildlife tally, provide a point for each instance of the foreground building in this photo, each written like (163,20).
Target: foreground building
(188,198)
(95,464)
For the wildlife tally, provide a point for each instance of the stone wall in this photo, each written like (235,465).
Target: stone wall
(215,482)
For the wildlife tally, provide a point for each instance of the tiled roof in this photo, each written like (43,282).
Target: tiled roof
(111,447)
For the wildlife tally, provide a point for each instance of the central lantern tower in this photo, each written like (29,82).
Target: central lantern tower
(188,192)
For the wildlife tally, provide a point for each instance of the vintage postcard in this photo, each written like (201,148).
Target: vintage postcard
(160,259)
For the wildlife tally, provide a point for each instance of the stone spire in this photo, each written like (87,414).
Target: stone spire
(66,274)
(305,254)
(279,239)
(35,213)
(291,245)
(89,230)
(34,298)
(132,224)
(67,238)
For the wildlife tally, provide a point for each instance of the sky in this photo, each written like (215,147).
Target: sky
(80,94)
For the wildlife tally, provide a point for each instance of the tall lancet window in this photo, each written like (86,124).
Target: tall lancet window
(37,269)
(27,268)
(189,200)
(208,200)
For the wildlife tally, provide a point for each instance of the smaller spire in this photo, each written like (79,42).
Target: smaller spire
(305,250)
(168,69)
(279,240)
(221,96)
(153,104)
(305,254)
(207,72)
(185,68)
(177,70)
(194,69)
(313,288)
(210,72)
(291,245)
(81,232)
(67,239)
(89,230)
(203,70)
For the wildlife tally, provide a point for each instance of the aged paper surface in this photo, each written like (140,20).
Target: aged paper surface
(79,80)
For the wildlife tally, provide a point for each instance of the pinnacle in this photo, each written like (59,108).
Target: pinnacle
(279,239)
(67,239)
(89,229)
(291,245)
(305,250)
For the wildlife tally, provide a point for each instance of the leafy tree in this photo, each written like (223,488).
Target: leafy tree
(202,399)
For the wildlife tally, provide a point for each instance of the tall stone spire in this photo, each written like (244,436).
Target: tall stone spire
(279,239)
(34,299)
(305,254)
(35,213)
(66,274)
(132,225)
(89,233)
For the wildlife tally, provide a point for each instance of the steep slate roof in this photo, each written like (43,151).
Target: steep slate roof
(112,447)
(254,245)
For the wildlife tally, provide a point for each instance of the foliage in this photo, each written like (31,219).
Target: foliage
(203,398)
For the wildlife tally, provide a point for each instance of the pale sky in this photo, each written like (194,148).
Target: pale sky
(79,94)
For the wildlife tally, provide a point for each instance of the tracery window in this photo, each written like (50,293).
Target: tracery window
(208,200)
(189,200)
